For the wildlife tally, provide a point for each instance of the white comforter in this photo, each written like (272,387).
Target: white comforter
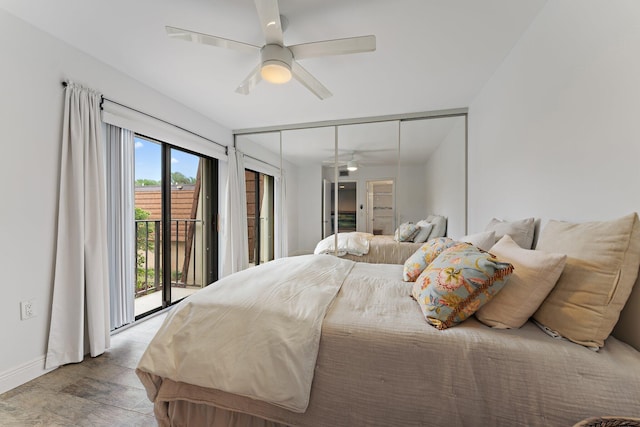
(354,243)
(237,321)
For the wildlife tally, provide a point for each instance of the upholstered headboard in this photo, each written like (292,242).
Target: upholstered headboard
(628,327)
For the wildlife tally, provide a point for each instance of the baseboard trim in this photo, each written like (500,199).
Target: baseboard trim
(22,374)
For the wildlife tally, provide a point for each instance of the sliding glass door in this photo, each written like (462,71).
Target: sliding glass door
(176,238)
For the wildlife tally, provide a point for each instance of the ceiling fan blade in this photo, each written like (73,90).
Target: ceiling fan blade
(334,47)
(250,82)
(269,15)
(310,82)
(192,36)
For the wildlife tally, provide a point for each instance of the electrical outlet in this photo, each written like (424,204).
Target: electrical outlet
(27,310)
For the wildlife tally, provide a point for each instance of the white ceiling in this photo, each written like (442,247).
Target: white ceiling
(431,54)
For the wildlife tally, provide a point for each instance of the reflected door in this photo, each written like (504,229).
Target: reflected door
(347,221)
(380,212)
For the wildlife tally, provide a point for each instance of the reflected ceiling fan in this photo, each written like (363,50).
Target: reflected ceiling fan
(351,160)
(278,63)
(351,164)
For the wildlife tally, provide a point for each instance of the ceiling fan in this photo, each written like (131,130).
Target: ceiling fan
(278,63)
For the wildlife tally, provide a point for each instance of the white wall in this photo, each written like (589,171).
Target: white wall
(411,203)
(445,180)
(292,203)
(555,132)
(309,193)
(31,107)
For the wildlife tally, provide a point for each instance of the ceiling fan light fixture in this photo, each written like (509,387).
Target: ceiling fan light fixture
(276,64)
(274,71)
(352,166)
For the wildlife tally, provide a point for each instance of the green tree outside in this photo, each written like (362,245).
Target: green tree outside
(144,239)
(180,178)
(144,182)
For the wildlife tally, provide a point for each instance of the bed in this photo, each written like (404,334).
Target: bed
(377,363)
(384,249)
(366,247)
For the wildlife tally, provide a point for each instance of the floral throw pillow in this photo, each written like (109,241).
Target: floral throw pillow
(405,232)
(416,263)
(457,283)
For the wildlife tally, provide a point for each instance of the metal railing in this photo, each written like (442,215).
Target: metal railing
(187,247)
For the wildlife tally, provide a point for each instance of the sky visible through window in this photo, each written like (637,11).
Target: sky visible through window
(148,159)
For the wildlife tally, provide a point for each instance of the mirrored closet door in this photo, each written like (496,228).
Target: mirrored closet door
(432,171)
(367,163)
(370,176)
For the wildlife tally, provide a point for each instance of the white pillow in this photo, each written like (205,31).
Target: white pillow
(439,226)
(521,231)
(483,240)
(425,230)
(535,273)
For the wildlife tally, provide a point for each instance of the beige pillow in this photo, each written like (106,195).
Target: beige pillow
(534,275)
(627,328)
(602,265)
(521,231)
(483,240)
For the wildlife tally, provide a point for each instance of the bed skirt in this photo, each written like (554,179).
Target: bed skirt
(184,413)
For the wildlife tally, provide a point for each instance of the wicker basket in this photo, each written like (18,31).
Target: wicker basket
(609,422)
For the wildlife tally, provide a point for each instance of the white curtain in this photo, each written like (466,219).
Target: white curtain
(81,283)
(235,234)
(121,224)
(267,218)
(280,231)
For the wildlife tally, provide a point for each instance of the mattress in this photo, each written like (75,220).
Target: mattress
(380,364)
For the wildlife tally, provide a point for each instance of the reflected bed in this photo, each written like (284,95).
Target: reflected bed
(384,249)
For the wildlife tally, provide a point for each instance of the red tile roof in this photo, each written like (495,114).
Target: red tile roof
(150,200)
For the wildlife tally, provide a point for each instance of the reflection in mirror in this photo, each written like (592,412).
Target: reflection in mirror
(346,206)
(403,169)
(380,207)
(312,151)
(260,192)
(367,161)
(432,171)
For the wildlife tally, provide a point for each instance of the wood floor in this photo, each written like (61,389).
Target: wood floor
(101,391)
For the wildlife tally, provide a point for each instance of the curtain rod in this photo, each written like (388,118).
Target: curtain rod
(226,152)
(262,161)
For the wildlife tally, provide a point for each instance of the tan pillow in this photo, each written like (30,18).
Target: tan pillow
(627,328)
(483,240)
(602,266)
(521,231)
(534,275)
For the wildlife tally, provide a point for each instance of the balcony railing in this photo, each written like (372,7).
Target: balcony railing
(187,254)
